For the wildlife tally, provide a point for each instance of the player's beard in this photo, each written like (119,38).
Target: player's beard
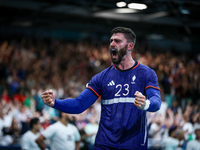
(67,119)
(37,129)
(120,53)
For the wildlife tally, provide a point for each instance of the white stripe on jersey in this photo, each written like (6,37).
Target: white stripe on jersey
(118,100)
(145,133)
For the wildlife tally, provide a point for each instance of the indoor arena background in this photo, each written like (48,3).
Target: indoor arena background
(61,44)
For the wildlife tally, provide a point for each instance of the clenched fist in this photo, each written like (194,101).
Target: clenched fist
(48,98)
(140,100)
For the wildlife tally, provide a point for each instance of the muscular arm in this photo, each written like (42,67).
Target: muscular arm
(40,142)
(77,144)
(154,99)
(76,105)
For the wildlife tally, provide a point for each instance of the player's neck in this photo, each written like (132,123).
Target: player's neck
(34,131)
(64,121)
(127,63)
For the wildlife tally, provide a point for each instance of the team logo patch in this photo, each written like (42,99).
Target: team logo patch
(133,79)
(86,85)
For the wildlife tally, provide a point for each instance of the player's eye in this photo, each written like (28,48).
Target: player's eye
(117,41)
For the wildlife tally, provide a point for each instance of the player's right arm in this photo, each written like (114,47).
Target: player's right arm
(71,105)
(48,133)
(77,145)
(79,104)
(77,138)
(40,142)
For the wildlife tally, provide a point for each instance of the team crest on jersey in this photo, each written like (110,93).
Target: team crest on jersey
(133,79)
(86,85)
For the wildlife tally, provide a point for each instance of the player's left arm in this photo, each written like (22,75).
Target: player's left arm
(152,88)
(151,104)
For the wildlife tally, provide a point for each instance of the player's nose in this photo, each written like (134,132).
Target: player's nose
(112,44)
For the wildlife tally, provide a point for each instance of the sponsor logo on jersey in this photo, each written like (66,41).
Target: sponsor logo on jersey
(111,83)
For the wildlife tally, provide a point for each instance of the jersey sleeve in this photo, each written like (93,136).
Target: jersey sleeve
(154,99)
(49,132)
(94,85)
(153,91)
(76,134)
(152,80)
(76,105)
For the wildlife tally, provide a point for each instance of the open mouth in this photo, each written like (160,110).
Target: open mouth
(113,52)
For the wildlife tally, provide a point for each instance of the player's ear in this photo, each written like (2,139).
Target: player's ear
(130,46)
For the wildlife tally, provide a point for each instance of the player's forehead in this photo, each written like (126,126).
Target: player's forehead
(118,36)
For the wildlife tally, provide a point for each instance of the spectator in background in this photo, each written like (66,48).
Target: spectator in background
(28,139)
(81,120)
(23,115)
(194,144)
(91,130)
(11,135)
(168,123)
(50,114)
(5,96)
(196,119)
(62,134)
(1,123)
(171,143)
(8,115)
(39,105)
(19,96)
(29,102)
(187,125)
(155,132)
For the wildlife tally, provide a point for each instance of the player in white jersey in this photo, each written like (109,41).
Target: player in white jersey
(194,144)
(62,134)
(28,139)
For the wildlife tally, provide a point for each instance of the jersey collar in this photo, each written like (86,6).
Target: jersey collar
(133,67)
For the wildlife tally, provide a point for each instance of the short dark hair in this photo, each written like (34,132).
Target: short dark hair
(33,122)
(171,130)
(128,33)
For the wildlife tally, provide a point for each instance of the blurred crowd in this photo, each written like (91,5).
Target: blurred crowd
(28,67)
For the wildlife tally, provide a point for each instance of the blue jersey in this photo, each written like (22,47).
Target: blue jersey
(122,124)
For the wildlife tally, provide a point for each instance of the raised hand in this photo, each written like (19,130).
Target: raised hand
(140,100)
(48,98)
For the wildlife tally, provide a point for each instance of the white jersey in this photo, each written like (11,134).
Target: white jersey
(28,141)
(62,137)
(170,143)
(193,145)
